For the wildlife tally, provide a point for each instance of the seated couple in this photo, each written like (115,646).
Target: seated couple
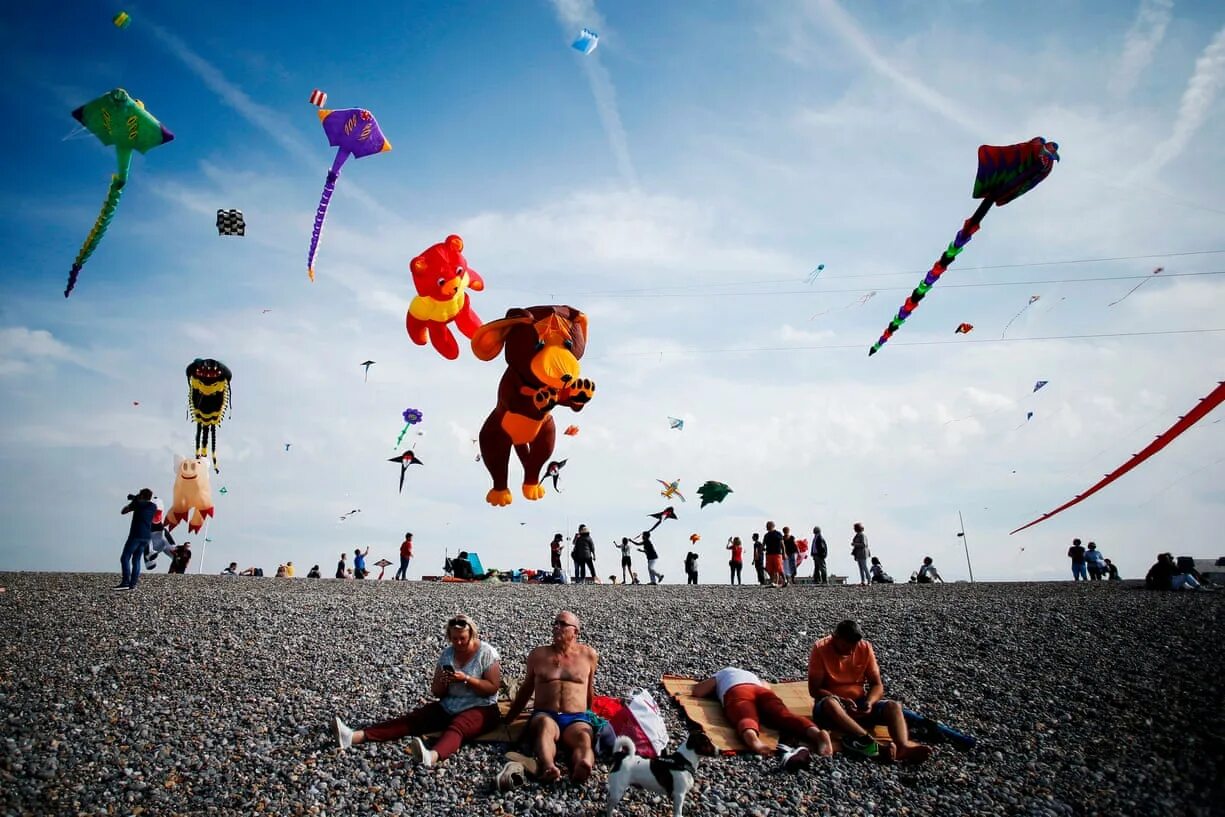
(560,676)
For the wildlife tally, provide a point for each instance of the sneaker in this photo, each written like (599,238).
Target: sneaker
(422,755)
(795,759)
(344,735)
(121,587)
(511,776)
(864,745)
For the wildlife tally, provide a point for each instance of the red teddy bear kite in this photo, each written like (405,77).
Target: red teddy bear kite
(442,277)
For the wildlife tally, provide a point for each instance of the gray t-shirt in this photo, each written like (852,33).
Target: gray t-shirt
(460,696)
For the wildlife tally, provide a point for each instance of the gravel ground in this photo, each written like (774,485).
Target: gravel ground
(203,695)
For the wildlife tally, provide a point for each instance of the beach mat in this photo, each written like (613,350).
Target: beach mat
(707,713)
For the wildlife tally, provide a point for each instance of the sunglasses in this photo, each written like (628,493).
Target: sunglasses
(560,623)
(458,624)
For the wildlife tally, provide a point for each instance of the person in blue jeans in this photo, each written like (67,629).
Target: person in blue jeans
(140,537)
(1077,554)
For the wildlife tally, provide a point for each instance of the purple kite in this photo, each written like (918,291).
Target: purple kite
(354,132)
(1004,173)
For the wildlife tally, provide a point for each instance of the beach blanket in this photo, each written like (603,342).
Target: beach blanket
(707,713)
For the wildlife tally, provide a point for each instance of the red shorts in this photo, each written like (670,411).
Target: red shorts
(774,563)
(748,706)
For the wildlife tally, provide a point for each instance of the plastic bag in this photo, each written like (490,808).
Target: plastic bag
(646,713)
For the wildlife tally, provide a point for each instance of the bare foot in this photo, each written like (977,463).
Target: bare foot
(825,746)
(914,753)
(550,774)
(580,772)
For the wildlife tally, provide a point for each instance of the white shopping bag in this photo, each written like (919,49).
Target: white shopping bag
(646,712)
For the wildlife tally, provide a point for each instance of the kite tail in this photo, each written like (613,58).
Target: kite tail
(967,231)
(99,229)
(216,470)
(321,213)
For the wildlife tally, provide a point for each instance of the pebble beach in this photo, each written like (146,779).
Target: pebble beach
(207,695)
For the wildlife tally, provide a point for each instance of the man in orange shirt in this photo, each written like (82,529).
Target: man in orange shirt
(406,555)
(838,668)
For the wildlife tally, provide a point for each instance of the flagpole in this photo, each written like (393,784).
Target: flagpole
(964,542)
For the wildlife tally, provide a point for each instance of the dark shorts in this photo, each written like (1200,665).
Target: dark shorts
(820,718)
(565,720)
(626,562)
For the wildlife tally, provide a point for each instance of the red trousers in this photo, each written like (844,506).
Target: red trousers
(466,725)
(748,706)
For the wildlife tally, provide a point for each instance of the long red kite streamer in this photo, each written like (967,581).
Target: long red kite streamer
(1206,405)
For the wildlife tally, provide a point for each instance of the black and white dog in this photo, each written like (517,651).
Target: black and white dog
(671,776)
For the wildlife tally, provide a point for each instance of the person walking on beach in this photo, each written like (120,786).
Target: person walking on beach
(791,555)
(560,676)
(406,556)
(359,562)
(466,680)
(140,537)
(648,549)
(820,552)
(737,561)
(861,554)
(839,667)
(759,558)
(772,542)
(342,567)
(1094,563)
(584,554)
(1077,554)
(627,564)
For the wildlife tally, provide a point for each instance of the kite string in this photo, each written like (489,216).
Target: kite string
(1137,286)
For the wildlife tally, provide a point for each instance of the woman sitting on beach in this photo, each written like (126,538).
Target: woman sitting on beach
(466,681)
(879,576)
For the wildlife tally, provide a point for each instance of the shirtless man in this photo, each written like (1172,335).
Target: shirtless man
(561,676)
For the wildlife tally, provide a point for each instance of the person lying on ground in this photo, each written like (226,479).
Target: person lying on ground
(839,668)
(561,678)
(749,703)
(466,681)
(232,570)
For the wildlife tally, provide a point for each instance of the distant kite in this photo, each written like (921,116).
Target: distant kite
(122,20)
(287,446)
(1004,173)
(1033,299)
(676,423)
(553,471)
(367,364)
(1205,406)
(963,329)
(712,491)
(230,222)
(586,42)
(1039,384)
(812,276)
(121,122)
(411,416)
(860,301)
(345,516)
(1157,271)
(694,538)
(570,431)
(666,513)
(353,132)
(406,459)
(671,489)
(318,98)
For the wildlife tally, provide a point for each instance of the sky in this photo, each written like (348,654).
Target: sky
(678,185)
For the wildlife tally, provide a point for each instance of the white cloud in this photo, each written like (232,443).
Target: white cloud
(1139,44)
(23,350)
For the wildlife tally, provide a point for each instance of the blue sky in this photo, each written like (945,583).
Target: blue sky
(678,185)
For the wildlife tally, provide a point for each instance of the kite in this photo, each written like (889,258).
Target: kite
(553,470)
(442,278)
(694,538)
(353,132)
(570,431)
(963,329)
(860,301)
(1039,384)
(224,490)
(318,98)
(1032,300)
(671,489)
(120,121)
(666,513)
(191,494)
(230,222)
(287,446)
(1157,271)
(1029,415)
(411,416)
(367,364)
(406,459)
(676,423)
(208,402)
(382,564)
(1004,173)
(136,402)
(122,20)
(345,516)
(812,276)
(1204,407)
(586,42)
(713,492)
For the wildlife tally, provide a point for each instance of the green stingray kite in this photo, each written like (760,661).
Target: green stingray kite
(120,121)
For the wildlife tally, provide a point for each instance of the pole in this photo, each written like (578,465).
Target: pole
(964,542)
(203,545)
